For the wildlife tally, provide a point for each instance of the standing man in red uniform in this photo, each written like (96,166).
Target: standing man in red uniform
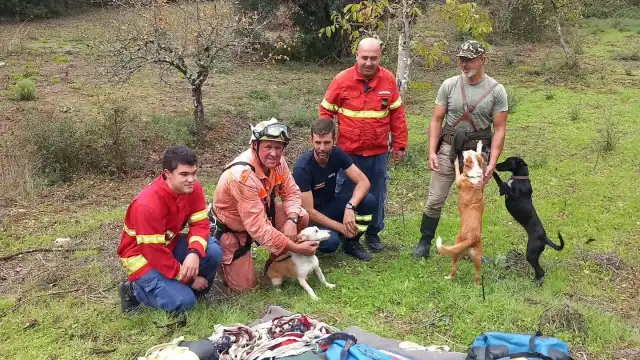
(366,100)
(166,269)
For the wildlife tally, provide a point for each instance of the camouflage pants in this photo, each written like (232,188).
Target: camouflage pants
(441,182)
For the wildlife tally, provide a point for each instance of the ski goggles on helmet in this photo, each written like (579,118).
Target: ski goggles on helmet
(275,132)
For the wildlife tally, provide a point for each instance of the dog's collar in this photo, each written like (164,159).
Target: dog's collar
(520,177)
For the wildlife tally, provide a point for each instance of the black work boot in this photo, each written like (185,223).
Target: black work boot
(355,249)
(428,231)
(373,243)
(127,297)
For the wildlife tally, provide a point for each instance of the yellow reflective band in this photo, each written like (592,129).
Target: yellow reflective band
(329,106)
(363,217)
(362,228)
(369,114)
(150,239)
(197,216)
(134,263)
(202,241)
(179,276)
(396,104)
(129,232)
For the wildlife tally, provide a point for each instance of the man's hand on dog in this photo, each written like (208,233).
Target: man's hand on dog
(306,247)
(190,267)
(199,283)
(433,162)
(349,223)
(488,173)
(290,230)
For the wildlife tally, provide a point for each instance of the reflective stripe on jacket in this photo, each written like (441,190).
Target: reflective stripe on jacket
(367,111)
(152,224)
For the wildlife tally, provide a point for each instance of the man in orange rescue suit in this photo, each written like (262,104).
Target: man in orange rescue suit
(366,100)
(168,270)
(245,208)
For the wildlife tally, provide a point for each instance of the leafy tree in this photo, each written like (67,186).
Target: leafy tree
(188,37)
(369,18)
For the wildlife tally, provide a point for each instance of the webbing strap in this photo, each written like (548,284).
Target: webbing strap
(466,116)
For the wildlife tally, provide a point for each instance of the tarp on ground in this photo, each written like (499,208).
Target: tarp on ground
(376,341)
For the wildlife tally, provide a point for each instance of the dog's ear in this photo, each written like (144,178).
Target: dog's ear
(521,162)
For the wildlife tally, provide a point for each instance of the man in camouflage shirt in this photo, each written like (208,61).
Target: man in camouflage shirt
(469,104)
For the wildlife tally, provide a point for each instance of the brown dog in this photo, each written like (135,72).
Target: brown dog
(471,207)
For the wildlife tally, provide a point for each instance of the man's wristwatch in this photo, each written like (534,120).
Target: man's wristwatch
(349,206)
(294,220)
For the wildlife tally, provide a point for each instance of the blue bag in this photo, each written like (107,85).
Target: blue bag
(353,351)
(500,345)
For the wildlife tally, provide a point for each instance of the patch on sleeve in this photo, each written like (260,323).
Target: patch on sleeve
(240,173)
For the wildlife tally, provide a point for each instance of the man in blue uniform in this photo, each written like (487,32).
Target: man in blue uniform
(346,216)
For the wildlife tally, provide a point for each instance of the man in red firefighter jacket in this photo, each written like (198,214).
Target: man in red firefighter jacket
(166,269)
(366,100)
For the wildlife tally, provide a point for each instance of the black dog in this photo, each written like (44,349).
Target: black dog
(520,205)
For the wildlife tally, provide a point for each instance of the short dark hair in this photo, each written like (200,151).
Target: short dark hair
(178,154)
(323,127)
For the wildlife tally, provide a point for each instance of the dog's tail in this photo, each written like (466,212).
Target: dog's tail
(554,246)
(455,249)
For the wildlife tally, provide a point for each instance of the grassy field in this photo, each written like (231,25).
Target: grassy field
(576,128)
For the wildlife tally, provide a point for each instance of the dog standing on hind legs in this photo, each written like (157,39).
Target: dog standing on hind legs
(519,203)
(471,207)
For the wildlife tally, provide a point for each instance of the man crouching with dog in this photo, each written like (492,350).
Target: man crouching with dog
(346,216)
(245,209)
(470,103)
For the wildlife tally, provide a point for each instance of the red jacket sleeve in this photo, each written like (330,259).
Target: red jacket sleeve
(198,222)
(399,129)
(331,101)
(150,235)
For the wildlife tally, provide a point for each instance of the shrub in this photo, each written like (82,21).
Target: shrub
(24,90)
(308,16)
(173,130)
(64,147)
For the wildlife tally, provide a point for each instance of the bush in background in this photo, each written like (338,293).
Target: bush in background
(24,90)
(63,147)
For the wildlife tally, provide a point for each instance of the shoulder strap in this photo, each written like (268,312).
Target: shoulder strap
(239,163)
(270,205)
(489,90)
(467,110)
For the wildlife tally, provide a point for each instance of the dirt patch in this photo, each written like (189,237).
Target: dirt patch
(50,271)
(627,354)
(563,318)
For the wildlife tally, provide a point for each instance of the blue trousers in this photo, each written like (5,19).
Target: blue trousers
(375,168)
(155,290)
(335,211)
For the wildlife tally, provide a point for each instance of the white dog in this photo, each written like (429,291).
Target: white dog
(298,266)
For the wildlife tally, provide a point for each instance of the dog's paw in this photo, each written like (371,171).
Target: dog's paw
(315,298)
(331,286)
(448,277)
(277,289)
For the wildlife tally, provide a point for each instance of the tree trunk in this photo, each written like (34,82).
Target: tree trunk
(404,47)
(564,44)
(559,28)
(198,110)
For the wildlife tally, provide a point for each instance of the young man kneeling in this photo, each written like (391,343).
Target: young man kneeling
(346,216)
(167,270)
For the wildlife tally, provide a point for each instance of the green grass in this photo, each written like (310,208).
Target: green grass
(579,189)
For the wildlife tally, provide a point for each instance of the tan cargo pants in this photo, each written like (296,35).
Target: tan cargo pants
(441,182)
